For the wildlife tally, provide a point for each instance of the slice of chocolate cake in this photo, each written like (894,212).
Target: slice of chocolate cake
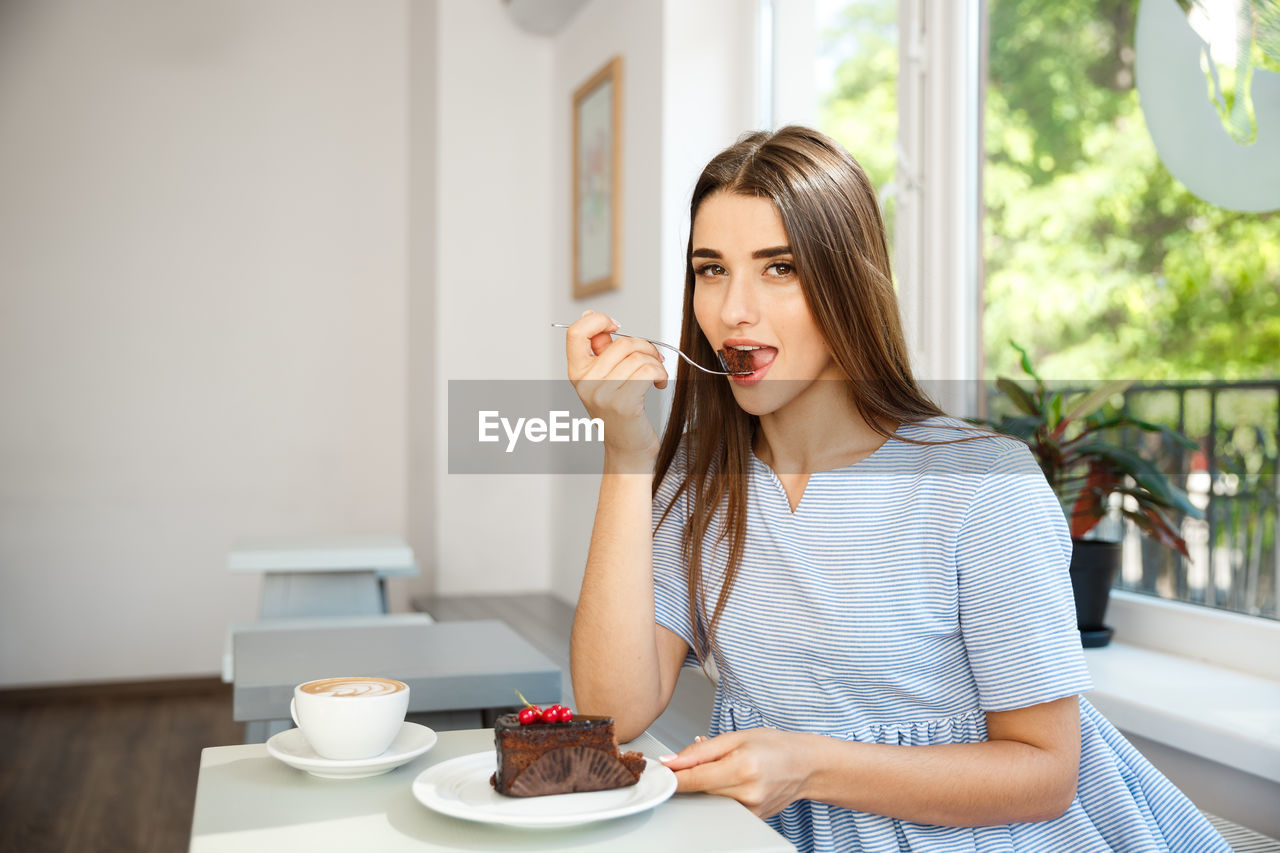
(560,758)
(736,361)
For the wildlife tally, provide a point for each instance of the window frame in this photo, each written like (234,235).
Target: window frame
(937,239)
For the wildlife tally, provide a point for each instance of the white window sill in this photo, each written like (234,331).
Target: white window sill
(1216,713)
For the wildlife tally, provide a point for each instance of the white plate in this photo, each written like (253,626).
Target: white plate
(460,787)
(292,748)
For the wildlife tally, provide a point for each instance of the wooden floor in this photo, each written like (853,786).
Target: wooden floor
(106,768)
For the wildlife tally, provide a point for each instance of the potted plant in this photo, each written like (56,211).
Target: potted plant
(1071,437)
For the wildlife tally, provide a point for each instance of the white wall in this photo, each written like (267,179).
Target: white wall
(601,30)
(246,248)
(203,233)
(675,54)
(493,271)
(714,42)
(421,313)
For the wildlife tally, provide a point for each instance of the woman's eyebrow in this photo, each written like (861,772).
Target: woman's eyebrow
(771,252)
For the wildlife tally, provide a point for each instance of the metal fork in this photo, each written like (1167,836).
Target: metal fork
(676,350)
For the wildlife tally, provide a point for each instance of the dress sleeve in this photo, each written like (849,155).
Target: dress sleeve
(670,582)
(1017,613)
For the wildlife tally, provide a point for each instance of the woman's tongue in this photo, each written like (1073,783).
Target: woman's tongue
(761,358)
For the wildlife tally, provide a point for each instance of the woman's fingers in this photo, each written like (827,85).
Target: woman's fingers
(611,377)
(581,337)
(638,369)
(713,778)
(591,350)
(600,342)
(622,351)
(608,363)
(713,770)
(619,378)
(763,769)
(700,751)
(622,389)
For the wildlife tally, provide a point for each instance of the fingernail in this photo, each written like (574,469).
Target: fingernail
(697,738)
(665,758)
(614,322)
(585,313)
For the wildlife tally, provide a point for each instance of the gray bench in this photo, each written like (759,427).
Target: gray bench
(324,576)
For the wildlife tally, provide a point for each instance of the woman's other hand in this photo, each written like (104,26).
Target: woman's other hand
(611,376)
(764,769)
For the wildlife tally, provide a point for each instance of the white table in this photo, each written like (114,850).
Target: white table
(247,801)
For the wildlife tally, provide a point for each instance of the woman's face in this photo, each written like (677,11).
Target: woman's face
(747,294)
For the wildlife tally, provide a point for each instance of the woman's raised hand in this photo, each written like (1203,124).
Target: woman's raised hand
(611,376)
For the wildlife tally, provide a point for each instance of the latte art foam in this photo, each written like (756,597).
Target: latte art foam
(352,687)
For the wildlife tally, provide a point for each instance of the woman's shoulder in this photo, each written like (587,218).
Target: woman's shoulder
(679,464)
(675,472)
(947,439)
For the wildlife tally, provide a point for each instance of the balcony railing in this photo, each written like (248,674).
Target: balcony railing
(1232,477)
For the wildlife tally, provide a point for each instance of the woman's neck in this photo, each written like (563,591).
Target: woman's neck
(820,430)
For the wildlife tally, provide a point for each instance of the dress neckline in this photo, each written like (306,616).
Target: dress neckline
(782,490)
(870,456)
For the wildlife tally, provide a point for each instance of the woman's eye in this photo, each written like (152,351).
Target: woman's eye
(710,269)
(781,269)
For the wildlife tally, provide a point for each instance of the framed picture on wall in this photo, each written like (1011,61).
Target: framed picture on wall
(597,182)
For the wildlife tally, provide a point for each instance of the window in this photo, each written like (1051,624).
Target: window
(1092,254)
(1105,265)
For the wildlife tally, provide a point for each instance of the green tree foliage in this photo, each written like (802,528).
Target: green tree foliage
(860,110)
(1096,259)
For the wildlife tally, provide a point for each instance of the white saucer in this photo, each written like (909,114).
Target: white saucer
(460,787)
(292,748)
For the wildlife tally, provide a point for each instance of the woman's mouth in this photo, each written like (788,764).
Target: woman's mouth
(748,361)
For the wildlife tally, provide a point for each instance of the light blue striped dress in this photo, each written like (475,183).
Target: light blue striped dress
(908,594)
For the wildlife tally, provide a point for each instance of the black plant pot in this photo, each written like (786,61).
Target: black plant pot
(1094,566)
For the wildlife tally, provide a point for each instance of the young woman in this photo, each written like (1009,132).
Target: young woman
(883,590)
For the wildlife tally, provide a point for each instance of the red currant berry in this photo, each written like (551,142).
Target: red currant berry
(530,715)
(566,715)
(551,715)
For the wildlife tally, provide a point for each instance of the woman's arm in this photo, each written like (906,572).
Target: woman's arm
(622,663)
(1025,771)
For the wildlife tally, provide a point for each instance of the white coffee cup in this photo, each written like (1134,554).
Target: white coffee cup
(351,717)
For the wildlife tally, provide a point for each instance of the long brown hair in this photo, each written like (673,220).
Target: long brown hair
(837,237)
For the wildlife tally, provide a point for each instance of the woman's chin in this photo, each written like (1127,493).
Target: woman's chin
(761,398)
(776,393)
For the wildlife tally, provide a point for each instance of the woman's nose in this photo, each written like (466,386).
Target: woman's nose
(739,306)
